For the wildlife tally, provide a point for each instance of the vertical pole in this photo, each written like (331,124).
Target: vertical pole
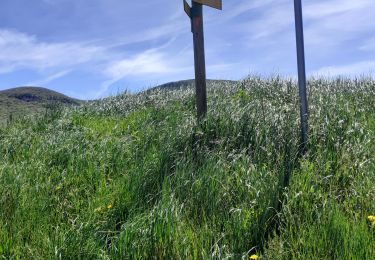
(199,59)
(301,74)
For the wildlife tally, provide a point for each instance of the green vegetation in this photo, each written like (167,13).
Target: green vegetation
(189,83)
(29,101)
(133,177)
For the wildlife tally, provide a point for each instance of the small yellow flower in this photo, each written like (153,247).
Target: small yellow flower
(371,218)
(254,257)
(109,206)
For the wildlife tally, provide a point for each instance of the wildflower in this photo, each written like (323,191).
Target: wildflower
(109,206)
(371,219)
(254,257)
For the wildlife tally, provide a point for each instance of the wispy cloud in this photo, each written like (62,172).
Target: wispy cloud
(319,9)
(49,78)
(238,8)
(331,23)
(19,50)
(162,31)
(147,64)
(354,69)
(368,45)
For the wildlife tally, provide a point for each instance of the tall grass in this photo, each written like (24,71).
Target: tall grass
(134,177)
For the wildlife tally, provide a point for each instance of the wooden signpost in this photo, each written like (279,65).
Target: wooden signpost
(195,12)
(301,74)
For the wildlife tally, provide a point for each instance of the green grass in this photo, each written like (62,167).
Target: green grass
(133,177)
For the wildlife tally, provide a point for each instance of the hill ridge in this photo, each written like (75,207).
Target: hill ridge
(30,100)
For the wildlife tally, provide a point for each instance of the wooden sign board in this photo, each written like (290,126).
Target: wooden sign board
(218,4)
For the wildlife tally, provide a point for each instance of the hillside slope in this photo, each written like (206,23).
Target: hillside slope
(25,101)
(133,177)
(178,85)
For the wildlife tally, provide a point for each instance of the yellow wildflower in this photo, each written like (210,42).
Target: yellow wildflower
(109,206)
(254,257)
(371,218)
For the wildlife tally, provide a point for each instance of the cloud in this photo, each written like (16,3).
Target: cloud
(354,69)
(275,16)
(330,25)
(168,31)
(321,9)
(49,79)
(238,9)
(19,50)
(368,45)
(275,20)
(158,60)
(147,64)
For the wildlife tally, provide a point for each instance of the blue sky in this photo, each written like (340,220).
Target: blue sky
(95,48)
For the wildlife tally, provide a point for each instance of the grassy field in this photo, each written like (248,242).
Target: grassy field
(29,101)
(133,177)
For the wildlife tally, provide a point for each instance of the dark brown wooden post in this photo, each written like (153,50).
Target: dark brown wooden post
(196,16)
(199,59)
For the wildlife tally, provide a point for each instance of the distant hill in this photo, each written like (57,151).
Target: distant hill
(24,101)
(188,83)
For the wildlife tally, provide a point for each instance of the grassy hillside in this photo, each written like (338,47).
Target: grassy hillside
(133,177)
(189,83)
(26,101)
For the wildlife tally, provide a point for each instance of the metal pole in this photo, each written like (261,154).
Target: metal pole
(199,59)
(301,74)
